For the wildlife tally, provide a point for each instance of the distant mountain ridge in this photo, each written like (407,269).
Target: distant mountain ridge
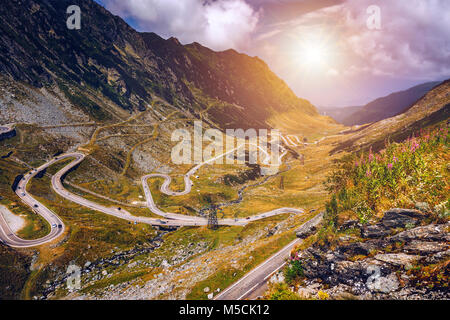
(432,109)
(339,114)
(389,106)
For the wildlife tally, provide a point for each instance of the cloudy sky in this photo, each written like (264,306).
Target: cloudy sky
(332,52)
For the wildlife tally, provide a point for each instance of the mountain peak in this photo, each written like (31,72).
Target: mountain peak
(111,60)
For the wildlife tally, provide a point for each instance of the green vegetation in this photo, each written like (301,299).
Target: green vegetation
(35,226)
(14,271)
(294,269)
(400,175)
(281,291)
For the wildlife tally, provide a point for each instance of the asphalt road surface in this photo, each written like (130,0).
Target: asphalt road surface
(256,278)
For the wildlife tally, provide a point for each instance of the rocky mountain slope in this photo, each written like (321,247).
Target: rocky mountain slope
(401,257)
(108,65)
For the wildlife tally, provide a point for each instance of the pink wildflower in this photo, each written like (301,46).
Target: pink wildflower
(414,146)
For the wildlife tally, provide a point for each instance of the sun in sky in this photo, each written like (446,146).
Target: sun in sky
(314,52)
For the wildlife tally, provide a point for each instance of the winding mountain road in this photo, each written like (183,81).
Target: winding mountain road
(56,224)
(170,219)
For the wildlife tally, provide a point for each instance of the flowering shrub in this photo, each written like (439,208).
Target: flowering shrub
(322,295)
(401,174)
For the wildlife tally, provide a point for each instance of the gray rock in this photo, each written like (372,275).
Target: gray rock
(350,224)
(432,232)
(400,218)
(306,293)
(398,259)
(438,257)
(385,284)
(423,247)
(357,248)
(309,227)
(374,231)
(392,219)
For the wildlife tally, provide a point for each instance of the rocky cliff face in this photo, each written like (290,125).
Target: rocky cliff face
(109,59)
(403,256)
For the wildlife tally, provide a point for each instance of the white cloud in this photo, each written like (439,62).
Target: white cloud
(414,40)
(218,24)
(412,47)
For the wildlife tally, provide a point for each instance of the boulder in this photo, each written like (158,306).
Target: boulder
(398,259)
(425,247)
(374,231)
(385,284)
(309,227)
(438,257)
(392,219)
(400,218)
(358,248)
(431,232)
(350,224)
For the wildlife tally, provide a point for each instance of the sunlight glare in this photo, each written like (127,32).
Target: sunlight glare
(314,55)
